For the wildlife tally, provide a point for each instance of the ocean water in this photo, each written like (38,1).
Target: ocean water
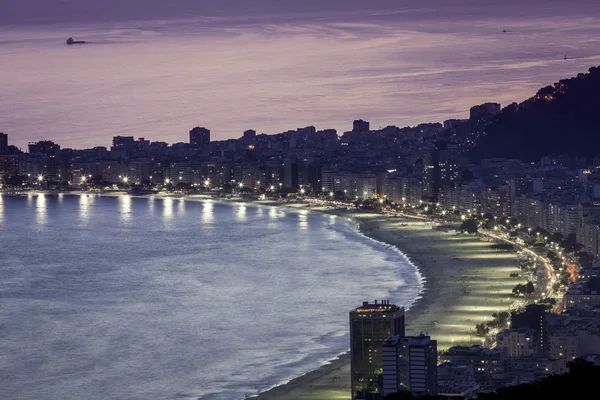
(146,298)
(156,69)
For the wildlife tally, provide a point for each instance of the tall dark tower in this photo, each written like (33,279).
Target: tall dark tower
(199,137)
(360,126)
(370,326)
(3,144)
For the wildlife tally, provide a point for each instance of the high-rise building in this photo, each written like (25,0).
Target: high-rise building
(370,326)
(534,317)
(360,126)
(52,174)
(290,172)
(410,364)
(3,144)
(9,165)
(250,135)
(199,137)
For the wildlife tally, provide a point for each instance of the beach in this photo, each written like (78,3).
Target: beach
(465,282)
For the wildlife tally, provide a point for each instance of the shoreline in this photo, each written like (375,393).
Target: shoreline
(448,316)
(456,292)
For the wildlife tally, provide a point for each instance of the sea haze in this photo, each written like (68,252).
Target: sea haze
(155,71)
(137,298)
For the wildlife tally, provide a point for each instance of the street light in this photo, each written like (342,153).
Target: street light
(302,191)
(167,181)
(40,178)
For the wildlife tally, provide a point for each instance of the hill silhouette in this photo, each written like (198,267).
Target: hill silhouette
(559,119)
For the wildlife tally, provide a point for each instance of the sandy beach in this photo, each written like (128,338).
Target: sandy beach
(465,282)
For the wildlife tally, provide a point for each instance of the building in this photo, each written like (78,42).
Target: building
(456,381)
(486,362)
(360,126)
(9,165)
(199,137)
(290,173)
(534,318)
(249,136)
(410,364)
(564,347)
(518,342)
(484,111)
(583,295)
(370,327)
(3,144)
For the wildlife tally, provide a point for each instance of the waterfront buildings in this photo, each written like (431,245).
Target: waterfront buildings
(200,137)
(3,144)
(518,342)
(370,327)
(488,364)
(410,364)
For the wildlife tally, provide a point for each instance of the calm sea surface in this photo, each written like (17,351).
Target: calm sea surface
(136,298)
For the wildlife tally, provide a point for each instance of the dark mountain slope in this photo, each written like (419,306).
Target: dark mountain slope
(560,119)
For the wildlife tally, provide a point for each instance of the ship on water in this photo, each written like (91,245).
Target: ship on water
(71,41)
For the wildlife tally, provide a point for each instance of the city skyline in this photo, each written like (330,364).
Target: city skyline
(223,182)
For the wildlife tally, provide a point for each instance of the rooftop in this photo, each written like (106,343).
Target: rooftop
(383,306)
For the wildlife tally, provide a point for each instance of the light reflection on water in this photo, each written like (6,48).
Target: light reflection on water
(123,284)
(260,212)
(303,220)
(85,204)
(207,212)
(151,204)
(40,207)
(167,211)
(125,209)
(181,207)
(241,213)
